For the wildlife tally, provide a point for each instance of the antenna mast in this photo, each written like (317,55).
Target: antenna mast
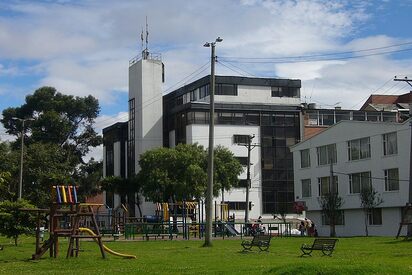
(145,52)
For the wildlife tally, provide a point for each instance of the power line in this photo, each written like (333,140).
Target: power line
(285,61)
(238,68)
(390,79)
(201,69)
(325,54)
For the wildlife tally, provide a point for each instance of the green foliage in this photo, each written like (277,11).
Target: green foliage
(180,173)
(59,134)
(227,169)
(89,176)
(331,205)
(59,119)
(5,193)
(13,221)
(9,170)
(370,199)
(173,173)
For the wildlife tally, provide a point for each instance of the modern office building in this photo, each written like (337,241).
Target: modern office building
(265,108)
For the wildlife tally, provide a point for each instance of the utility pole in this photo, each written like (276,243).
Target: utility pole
(209,192)
(409,230)
(248,183)
(21,154)
(249,147)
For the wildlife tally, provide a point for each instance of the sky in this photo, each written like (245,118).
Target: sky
(342,50)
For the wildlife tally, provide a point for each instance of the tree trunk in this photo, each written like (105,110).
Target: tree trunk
(138,206)
(332,230)
(366,223)
(131,201)
(15,240)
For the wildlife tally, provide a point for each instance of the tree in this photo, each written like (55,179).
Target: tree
(59,119)
(9,170)
(126,188)
(13,221)
(370,199)
(88,177)
(59,134)
(331,204)
(5,193)
(227,170)
(47,164)
(173,174)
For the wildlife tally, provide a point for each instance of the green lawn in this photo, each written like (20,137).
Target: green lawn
(373,255)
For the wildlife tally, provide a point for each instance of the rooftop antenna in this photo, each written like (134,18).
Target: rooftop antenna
(145,52)
(142,39)
(147,34)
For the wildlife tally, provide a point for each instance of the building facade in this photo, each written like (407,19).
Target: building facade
(265,108)
(355,154)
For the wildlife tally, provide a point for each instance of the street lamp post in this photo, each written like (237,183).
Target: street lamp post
(209,192)
(21,153)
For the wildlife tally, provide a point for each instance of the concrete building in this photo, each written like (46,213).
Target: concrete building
(268,109)
(265,108)
(362,153)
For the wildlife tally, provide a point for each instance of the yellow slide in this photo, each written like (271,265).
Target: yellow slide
(84,229)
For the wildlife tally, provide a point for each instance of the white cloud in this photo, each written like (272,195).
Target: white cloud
(3,135)
(83,47)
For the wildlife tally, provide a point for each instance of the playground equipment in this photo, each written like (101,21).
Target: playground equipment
(406,219)
(90,232)
(66,214)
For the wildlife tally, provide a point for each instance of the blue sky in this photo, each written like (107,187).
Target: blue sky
(83,47)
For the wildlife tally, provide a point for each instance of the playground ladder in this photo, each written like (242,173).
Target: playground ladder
(83,210)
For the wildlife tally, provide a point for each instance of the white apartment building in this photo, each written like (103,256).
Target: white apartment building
(362,152)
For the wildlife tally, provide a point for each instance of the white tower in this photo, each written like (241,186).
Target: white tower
(146,75)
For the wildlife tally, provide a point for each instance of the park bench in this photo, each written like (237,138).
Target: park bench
(327,246)
(259,240)
(159,235)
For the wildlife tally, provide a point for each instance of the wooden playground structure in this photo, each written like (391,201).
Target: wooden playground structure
(67,216)
(406,219)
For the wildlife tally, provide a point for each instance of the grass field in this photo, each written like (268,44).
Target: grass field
(373,255)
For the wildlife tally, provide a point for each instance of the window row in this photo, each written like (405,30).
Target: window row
(204,91)
(357,149)
(357,182)
(374,217)
(330,117)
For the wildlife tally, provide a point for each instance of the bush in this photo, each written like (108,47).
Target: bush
(15,222)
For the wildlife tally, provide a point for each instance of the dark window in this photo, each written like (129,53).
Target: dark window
(305,158)
(392,179)
(375,216)
(241,139)
(204,91)
(131,140)
(243,183)
(109,162)
(242,160)
(277,92)
(226,89)
(193,95)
